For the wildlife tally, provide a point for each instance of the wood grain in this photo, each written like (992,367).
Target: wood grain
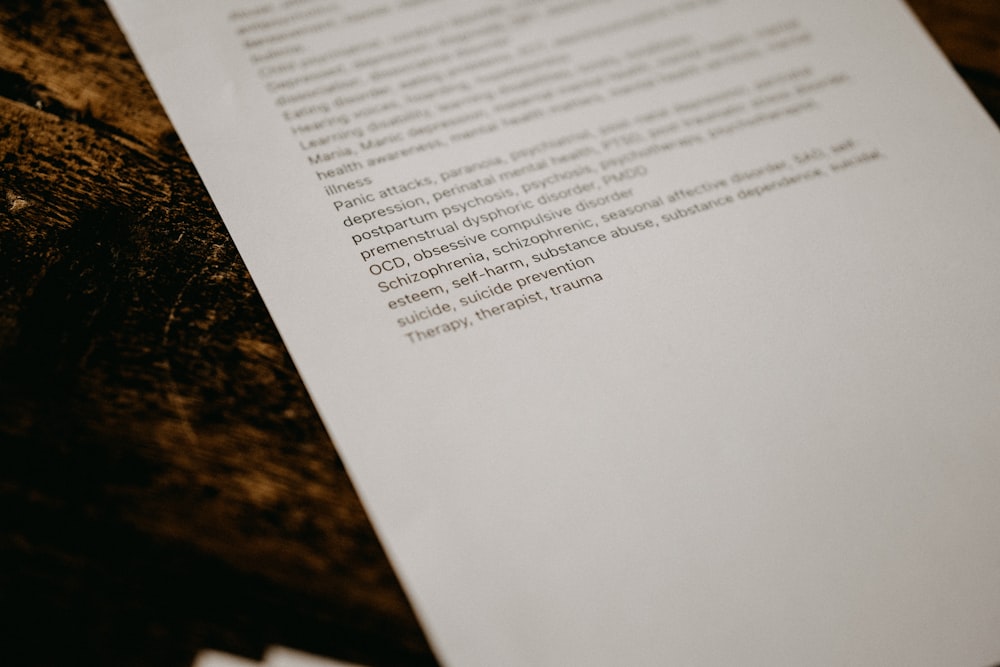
(166,482)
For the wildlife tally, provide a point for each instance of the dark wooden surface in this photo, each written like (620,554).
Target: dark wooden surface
(165,483)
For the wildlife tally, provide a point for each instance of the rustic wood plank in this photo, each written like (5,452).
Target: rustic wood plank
(968,31)
(172,485)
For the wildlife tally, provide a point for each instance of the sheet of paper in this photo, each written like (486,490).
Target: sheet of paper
(275,656)
(652,333)
(211,658)
(279,656)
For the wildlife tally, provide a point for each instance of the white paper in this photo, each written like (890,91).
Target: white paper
(275,656)
(211,658)
(279,656)
(760,428)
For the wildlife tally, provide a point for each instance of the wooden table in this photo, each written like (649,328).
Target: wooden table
(166,484)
